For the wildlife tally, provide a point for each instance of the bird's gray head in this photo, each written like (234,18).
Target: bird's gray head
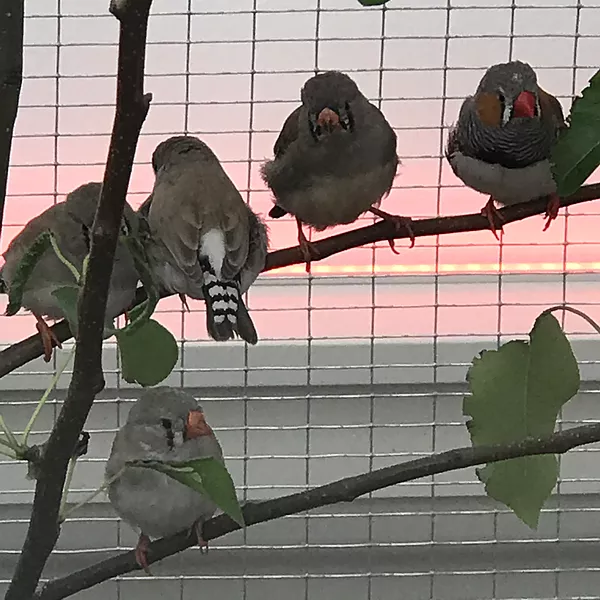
(506,92)
(82,202)
(175,411)
(329,98)
(173,148)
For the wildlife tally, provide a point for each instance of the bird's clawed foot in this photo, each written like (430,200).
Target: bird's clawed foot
(49,339)
(184,301)
(202,543)
(552,209)
(309,252)
(141,552)
(400,223)
(495,219)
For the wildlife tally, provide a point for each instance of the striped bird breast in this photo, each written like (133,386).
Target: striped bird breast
(520,143)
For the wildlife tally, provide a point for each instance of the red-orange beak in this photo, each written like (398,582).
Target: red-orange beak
(524,105)
(196,425)
(328,119)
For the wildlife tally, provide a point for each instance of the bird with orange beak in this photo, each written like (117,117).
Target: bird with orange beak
(502,142)
(335,159)
(165,424)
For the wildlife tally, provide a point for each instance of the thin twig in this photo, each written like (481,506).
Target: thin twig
(344,490)
(22,352)
(44,397)
(87,380)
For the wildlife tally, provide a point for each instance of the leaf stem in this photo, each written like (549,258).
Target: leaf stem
(65,513)
(575,311)
(63,259)
(44,397)
(14,443)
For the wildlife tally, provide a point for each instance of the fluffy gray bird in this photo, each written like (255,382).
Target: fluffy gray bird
(502,141)
(165,424)
(335,159)
(205,242)
(70,222)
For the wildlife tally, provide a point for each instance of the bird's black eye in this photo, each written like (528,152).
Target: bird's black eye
(346,118)
(86,236)
(315,129)
(168,427)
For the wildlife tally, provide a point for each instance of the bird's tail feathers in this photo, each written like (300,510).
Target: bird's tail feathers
(226,314)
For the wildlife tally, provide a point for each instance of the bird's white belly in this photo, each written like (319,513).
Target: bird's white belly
(507,186)
(163,507)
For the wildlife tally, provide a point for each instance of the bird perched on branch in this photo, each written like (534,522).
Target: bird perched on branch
(71,223)
(502,141)
(204,241)
(164,425)
(335,159)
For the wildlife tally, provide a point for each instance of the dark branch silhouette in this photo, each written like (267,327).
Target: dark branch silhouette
(11,76)
(22,352)
(344,490)
(88,379)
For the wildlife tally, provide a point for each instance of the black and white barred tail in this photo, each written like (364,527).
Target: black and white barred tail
(226,313)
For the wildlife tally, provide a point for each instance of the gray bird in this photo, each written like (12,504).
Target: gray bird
(334,159)
(204,241)
(502,142)
(165,424)
(70,222)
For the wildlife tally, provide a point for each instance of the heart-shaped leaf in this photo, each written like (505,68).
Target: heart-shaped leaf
(24,270)
(517,392)
(576,155)
(205,475)
(148,353)
(67,297)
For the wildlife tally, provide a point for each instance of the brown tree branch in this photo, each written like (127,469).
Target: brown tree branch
(87,380)
(22,352)
(383,230)
(344,490)
(11,77)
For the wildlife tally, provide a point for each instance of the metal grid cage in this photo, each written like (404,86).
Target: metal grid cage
(362,363)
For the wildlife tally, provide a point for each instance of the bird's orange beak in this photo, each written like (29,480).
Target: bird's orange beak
(196,425)
(524,105)
(328,119)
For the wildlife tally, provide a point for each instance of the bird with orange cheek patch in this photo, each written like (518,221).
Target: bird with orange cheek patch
(502,141)
(335,159)
(165,424)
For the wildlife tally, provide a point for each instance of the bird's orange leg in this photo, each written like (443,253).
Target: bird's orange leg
(141,552)
(49,339)
(400,223)
(490,212)
(201,541)
(308,250)
(552,209)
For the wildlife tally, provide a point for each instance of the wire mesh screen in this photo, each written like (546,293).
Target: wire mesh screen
(360,364)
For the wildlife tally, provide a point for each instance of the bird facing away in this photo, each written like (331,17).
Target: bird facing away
(503,139)
(165,424)
(205,242)
(70,222)
(334,159)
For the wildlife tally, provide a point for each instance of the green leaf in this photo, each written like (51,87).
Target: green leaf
(67,297)
(205,475)
(148,353)
(576,155)
(372,2)
(140,314)
(517,392)
(24,270)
